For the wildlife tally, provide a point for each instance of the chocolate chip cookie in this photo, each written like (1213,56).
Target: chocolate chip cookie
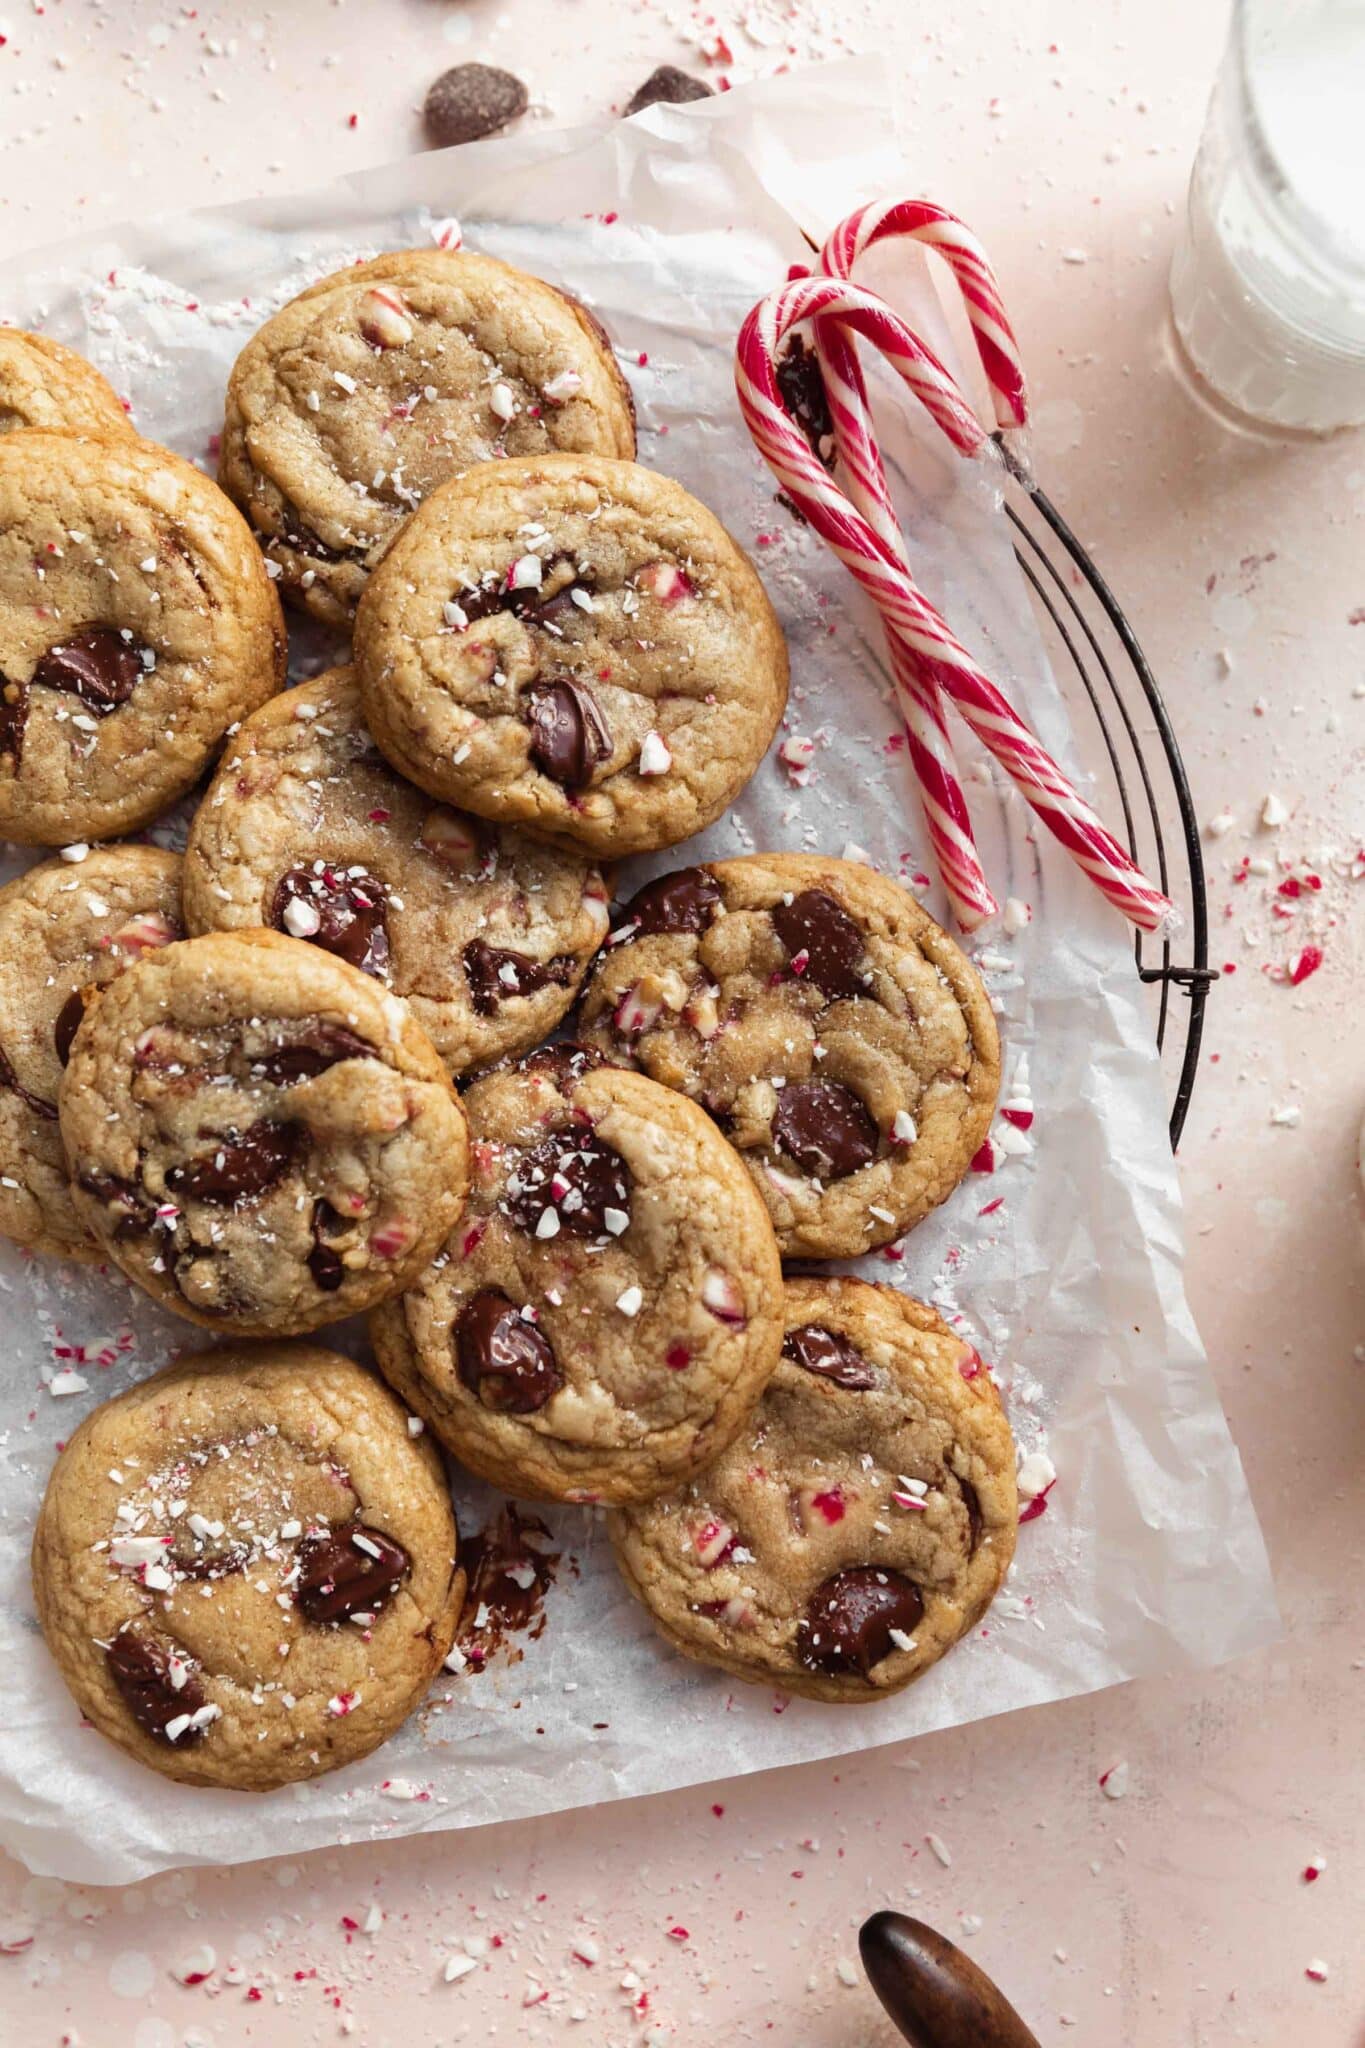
(380,382)
(137,623)
(843,1042)
(44,385)
(245,1567)
(260,1134)
(66,928)
(306,828)
(574,645)
(606,1313)
(858,1527)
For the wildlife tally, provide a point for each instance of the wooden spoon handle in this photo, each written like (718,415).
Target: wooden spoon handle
(936,1995)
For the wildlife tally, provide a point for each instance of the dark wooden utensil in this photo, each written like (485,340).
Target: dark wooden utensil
(936,1995)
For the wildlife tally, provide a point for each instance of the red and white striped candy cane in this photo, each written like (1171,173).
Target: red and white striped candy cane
(919,637)
(921,221)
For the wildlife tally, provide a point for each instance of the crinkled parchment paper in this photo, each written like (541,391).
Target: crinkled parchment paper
(1148,1553)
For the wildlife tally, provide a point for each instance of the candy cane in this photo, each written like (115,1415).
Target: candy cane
(918,635)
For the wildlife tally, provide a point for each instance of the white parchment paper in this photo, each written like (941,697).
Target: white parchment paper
(1148,1554)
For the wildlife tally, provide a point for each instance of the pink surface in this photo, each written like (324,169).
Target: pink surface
(1180,1914)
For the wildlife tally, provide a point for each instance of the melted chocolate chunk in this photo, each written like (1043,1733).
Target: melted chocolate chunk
(508,1362)
(319,1046)
(569,735)
(814,924)
(849,1619)
(801,385)
(241,1167)
(10,1080)
(566,1062)
(350,909)
(145,1670)
(351,1570)
(685,901)
(324,1261)
(100,667)
(204,1562)
(68,1021)
(495,974)
(131,1211)
(579,1177)
(13,716)
(525,601)
(824,1127)
(300,536)
(832,1357)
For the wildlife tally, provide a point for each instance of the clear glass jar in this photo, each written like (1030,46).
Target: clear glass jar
(1268,280)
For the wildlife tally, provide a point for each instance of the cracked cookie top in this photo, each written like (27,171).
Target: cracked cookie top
(260,1134)
(574,645)
(842,1041)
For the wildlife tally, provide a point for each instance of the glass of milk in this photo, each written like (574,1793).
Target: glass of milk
(1268,281)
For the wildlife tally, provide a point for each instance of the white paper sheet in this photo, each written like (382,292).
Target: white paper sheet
(1149,1553)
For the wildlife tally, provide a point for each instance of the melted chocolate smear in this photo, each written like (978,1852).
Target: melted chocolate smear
(824,1127)
(140,1667)
(971,1502)
(10,1080)
(566,1062)
(832,1357)
(100,667)
(209,1564)
(351,1570)
(509,1606)
(685,901)
(68,1021)
(320,1046)
(13,716)
(814,924)
(801,385)
(569,735)
(496,975)
(324,1261)
(507,1362)
(241,1167)
(351,910)
(132,1212)
(579,1180)
(849,1619)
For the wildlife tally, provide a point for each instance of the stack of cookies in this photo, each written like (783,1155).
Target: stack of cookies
(234,1074)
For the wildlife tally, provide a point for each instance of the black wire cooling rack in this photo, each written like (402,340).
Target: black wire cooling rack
(1090,640)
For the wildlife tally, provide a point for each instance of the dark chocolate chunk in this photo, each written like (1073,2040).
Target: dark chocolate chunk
(527,601)
(13,715)
(496,974)
(241,1166)
(669,87)
(318,1046)
(101,667)
(471,100)
(972,1503)
(849,1619)
(507,1361)
(350,909)
(815,925)
(580,1177)
(351,1570)
(685,901)
(569,735)
(832,1357)
(801,386)
(145,1670)
(68,1020)
(824,1127)
(324,1261)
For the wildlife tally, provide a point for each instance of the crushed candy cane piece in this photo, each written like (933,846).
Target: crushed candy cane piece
(1220,824)
(721,1294)
(655,757)
(1114,1781)
(196,1966)
(1274,813)
(939,1848)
